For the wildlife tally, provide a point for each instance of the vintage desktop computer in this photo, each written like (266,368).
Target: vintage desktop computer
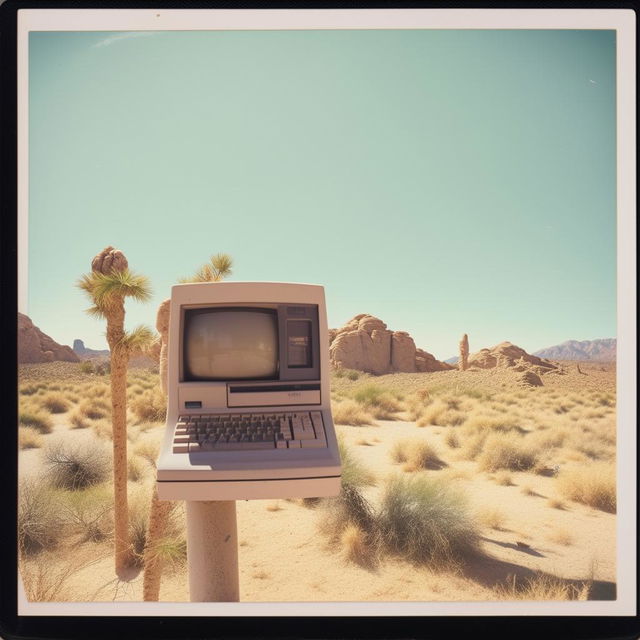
(248,407)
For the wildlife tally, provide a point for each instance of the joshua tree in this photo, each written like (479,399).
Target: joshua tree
(218,267)
(108,284)
(464,353)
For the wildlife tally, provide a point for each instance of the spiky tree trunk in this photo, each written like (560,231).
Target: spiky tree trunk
(464,353)
(160,509)
(162,326)
(105,262)
(158,517)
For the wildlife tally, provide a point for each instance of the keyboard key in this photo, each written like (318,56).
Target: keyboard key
(180,448)
(293,444)
(313,444)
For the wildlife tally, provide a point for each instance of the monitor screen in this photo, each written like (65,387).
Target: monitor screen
(230,344)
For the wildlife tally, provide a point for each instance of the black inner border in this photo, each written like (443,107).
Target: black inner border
(13,626)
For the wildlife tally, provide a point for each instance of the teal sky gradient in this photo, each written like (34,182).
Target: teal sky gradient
(444,181)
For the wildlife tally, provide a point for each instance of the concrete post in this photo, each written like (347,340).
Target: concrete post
(212,551)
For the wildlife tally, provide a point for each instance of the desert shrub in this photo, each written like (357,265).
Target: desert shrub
(349,374)
(29,438)
(139,505)
(89,511)
(39,522)
(136,390)
(594,485)
(102,368)
(416,454)
(151,406)
(103,429)
(351,413)
(38,420)
(542,587)
(451,418)
(94,408)
(76,465)
(86,366)
(355,544)
(147,448)
(137,468)
(31,389)
(491,517)
(378,401)
(432,413)
(426,520)
(483,422)
(473,446)
(452,439)
(506,451)
(503,478)
(77,420)
(46,580)
(354,473)
(98,390)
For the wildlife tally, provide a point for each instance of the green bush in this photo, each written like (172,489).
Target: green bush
(426,520)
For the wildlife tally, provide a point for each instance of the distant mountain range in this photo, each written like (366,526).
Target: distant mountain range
(601,350)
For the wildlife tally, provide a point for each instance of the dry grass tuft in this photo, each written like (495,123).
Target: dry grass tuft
(542,587)
(74,465)
(507,451)
(417,454)
(491,517)
(274,506)
(151,406)
(29,438)
(77,420)
(503,478)
(451,439)
(36,419)
(94,408)
(39,521)
(356,545)
(426,520)
(561,536)
(431,414)
(55,402)
(379,402)
(556,503)
(137,468)
(89,512)
(351,413)
(594,485)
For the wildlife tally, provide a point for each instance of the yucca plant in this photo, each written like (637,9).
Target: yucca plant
(218,268)
(108,284)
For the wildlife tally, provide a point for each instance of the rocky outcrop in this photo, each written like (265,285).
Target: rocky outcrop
(85,353)
(36,346)
(365,344)
(463,362)
(505,355)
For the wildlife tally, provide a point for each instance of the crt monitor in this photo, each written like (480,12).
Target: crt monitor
(249,412)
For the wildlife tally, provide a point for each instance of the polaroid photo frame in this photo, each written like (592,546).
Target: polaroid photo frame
(65,71)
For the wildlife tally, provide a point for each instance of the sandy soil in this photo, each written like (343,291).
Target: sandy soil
(283,556)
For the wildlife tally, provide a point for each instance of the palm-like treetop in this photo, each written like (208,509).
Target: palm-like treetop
(105,289)
(219,267)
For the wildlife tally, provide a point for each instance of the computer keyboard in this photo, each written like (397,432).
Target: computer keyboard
(247,431)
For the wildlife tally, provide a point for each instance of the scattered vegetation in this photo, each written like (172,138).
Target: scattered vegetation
(351,413)
(29,438)
(39,521)
(416,454)
(37,420)
(594,485)
(506,451)
(76,465)
(542,587)
(150,406)
(426,520)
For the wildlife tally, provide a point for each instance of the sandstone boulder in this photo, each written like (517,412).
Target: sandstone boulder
(35,346)
(506,355)
(364,343)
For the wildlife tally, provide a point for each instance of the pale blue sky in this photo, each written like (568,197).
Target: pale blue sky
(444,181)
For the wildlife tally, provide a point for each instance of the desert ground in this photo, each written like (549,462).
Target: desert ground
(458,486)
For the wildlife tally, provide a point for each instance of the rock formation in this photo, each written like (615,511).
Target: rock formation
(35,346)
(463,363)
(506,355)
(84,353)
(365,343)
